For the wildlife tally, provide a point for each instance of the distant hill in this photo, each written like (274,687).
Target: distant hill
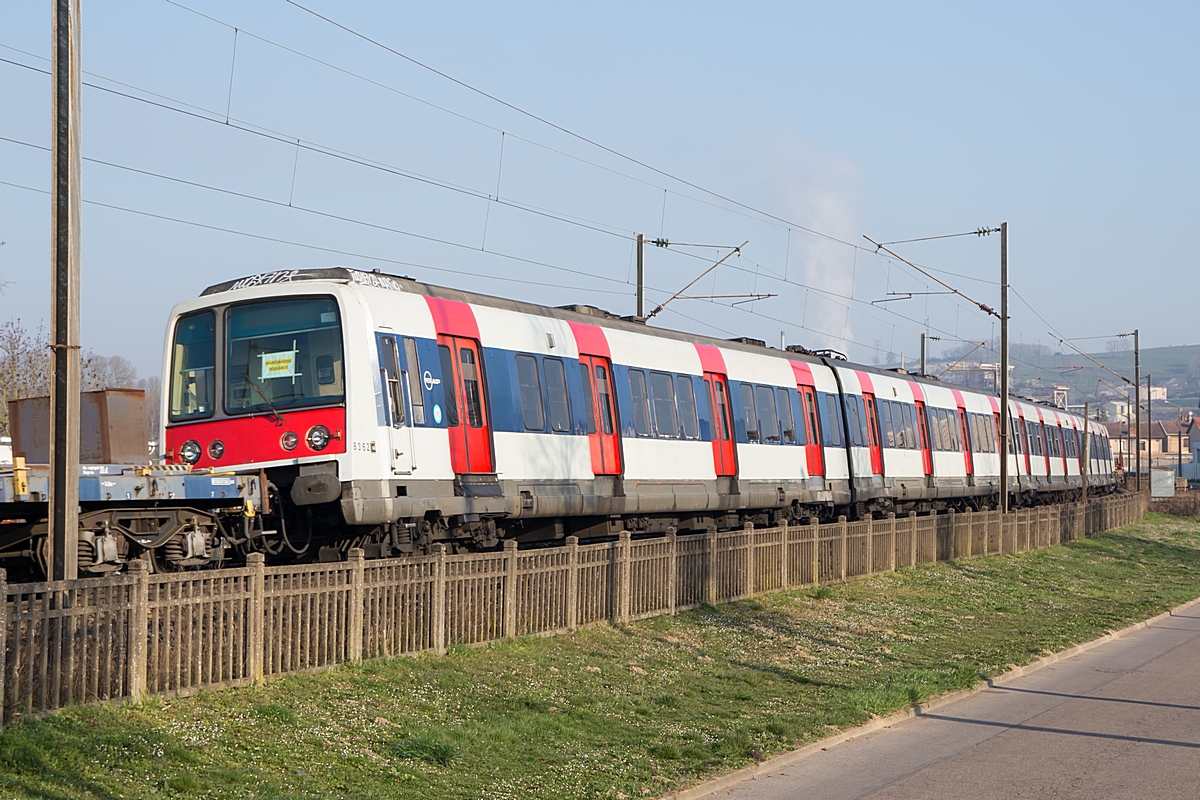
(1177,368)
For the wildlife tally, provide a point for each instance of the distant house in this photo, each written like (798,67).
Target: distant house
(1163,440)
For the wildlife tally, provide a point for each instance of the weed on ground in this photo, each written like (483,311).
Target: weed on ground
(624,712)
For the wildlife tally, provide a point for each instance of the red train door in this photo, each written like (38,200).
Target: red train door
(466,406)
(724,456)
(923,433)
(873,434)
(965,433)
(812,430)
(602,429)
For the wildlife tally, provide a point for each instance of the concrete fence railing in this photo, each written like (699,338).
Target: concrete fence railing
(124,637)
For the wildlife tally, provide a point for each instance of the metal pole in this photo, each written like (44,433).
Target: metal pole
(1149,431)
(1004,367)
(922,353)
(63,540)
(1087,456)
(1137,411)
(640,312)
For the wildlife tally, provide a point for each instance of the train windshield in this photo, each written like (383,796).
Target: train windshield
(193,357)
(283,353)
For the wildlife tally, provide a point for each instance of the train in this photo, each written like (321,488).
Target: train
(394,415)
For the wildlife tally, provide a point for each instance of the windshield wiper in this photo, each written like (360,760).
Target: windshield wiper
(278,416)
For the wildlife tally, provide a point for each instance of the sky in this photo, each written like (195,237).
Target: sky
(224,139)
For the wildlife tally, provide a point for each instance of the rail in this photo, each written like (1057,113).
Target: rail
(125,637)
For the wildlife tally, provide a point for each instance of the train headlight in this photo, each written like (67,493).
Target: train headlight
(318,437)
(289,440)
(190,451)
(216,449)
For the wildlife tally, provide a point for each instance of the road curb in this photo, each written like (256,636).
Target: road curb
(915,710)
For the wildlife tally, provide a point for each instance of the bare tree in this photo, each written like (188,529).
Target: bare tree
(107,372)
(24,365)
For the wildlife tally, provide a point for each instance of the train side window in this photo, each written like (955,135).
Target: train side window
(558,402)
(641,402)
(472,394)
(666,414)
(391,378)
(451,394)
(686,393)
(788,422)
(768,419)
(883,409)
(530,384)
(910,426)
(589,419)
(413,375)
(722,412)
(833,421)
(853,422)
(749,415)
(604,392)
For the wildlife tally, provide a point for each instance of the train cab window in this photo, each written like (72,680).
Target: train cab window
(641,402)
(193,358)
(768,419)
(559,404)
(530,385)
(666,414)
(450,395)
(687,407)
(284,353)
(605,396)
(787,421)
(749,415)
(415,396)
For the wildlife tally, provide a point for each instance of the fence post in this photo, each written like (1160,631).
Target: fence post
(844,530)
(751,556)
(355,609)
(785,565)
(871,545)
(3,643)
(439,598)
(255,646)
(672,570)
(892,539)
(572,582)
(710,574)
(139,624)
(815,524)
(510,588)
(624,577)
(912,545)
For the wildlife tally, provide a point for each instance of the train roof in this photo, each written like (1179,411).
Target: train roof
(571,313)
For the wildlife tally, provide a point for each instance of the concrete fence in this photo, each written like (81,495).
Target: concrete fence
(124,637)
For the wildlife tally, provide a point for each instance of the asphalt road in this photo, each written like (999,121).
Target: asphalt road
(1119,721)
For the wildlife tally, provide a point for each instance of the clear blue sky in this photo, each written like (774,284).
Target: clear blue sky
(1076,122)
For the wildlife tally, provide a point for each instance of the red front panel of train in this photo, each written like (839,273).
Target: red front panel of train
(258,439)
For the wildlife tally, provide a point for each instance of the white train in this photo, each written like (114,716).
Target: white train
(392,414)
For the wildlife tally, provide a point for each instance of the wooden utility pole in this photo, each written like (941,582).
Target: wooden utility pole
(1004,367)
(640,311)
(62,559)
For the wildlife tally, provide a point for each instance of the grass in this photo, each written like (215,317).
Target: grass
(623,712)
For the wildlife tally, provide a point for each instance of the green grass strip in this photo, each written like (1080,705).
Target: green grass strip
(622,712)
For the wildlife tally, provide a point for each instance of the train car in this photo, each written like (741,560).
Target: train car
(391,414)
